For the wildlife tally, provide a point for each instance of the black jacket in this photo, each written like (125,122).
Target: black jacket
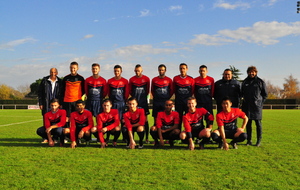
(45,94)
(255,93)
(231,89)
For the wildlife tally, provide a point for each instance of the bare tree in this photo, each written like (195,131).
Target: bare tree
(274,92)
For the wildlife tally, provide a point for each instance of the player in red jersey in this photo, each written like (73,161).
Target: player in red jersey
(107,122)
(72,89)
(227,128)
(183,86)
(134,122)
(161,89)
(166,125)
(81,122)
(204,89)
(193,124)
(118,92)
(139,87)
(95,90)
(54,121)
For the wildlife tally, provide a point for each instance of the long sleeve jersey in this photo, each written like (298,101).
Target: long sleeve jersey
(83,121)
(95,89)
(183,88)
(55,118)
(161,88)
(131,118)
(195,120)
(118,90)
(109,120)
(72,88)
(139,88)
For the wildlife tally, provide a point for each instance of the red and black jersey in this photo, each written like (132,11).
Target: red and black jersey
(204,89)
(131,118)
(164,119)
(118,90)
(72,88)
(195,120)
(83,121)
(161,88)
(95,89)
(139,88)
(228,120)
(55,118)
(109,120)
(183,88)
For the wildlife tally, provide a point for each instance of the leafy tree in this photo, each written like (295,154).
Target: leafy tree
(5,92)
(235,72)
(290,87)
(34,87)
(274,92)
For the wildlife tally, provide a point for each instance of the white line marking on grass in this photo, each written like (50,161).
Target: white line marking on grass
(20,123)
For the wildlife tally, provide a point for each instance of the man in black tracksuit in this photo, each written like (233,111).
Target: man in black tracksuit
(227,87)
(255,93)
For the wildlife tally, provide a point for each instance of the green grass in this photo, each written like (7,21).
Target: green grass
(27,164)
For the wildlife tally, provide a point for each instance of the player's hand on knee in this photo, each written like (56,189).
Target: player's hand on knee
(80,134)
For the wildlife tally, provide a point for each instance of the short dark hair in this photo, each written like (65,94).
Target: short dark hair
(54,100)
(183,64)
(118,67)
(95,65)
(106,100)
(162,65)
(138,65)
(74,63)
(252,68)
(132,99)
(226,98)
(203,66)
(227,70)
(80,102)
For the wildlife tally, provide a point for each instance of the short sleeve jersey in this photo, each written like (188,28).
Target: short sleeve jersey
(131,118)
(109,120)
(83,121)
(118,90)
(161,88)
(183,88)
(95,89)
(139,88)
(55,118)
(228,120)
(204,89)
(167,120)
(73,88)
(195,120)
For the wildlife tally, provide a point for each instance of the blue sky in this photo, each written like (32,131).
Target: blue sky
(36,35)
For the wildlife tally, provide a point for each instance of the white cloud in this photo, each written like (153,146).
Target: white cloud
(10,45)
(142,50)
(175,8)
(231,6)
(88,36)
(144,13)
(272,2)
(262,33)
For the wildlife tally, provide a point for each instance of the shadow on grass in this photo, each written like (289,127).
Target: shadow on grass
(21,142)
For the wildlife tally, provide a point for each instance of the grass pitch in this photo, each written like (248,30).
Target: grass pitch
(27,164)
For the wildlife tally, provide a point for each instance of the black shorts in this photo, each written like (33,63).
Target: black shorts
(94,106)
(157,107)
(229,134)
(69,107)
(120,106)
